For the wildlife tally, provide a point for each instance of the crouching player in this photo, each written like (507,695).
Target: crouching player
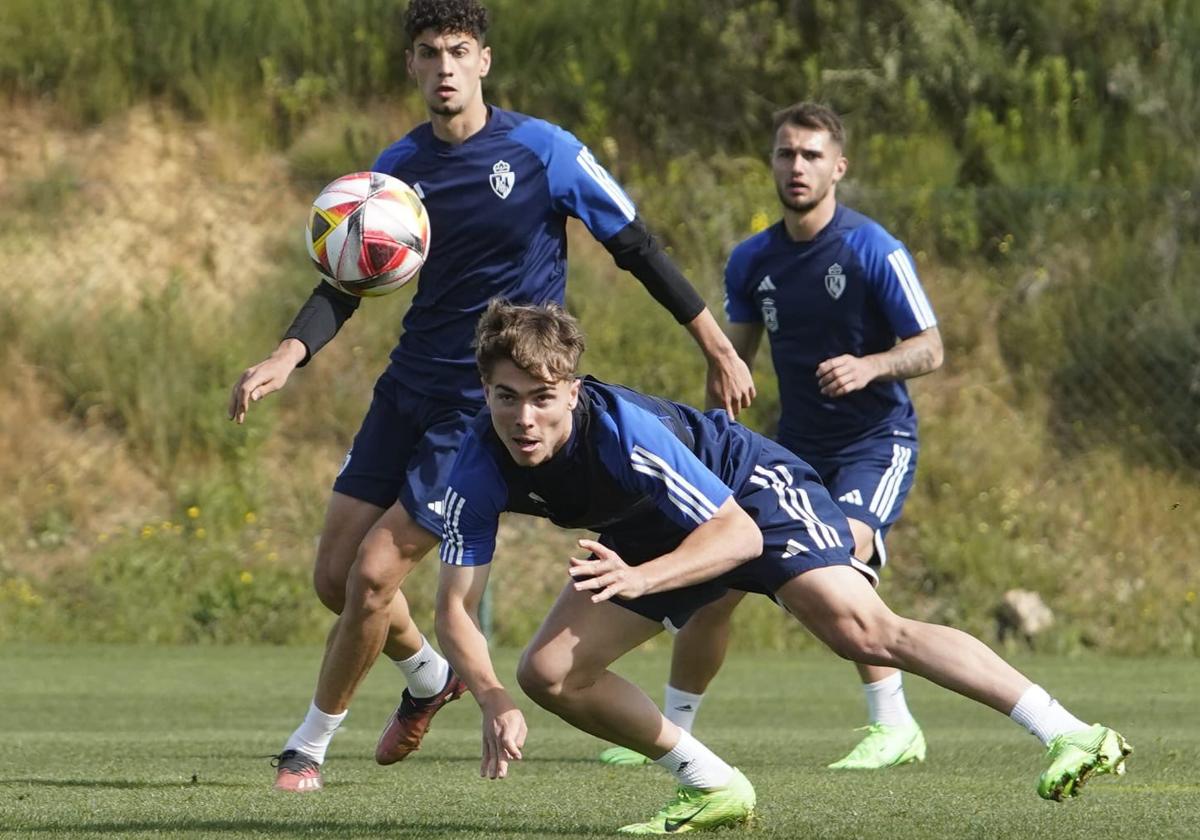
(687,505)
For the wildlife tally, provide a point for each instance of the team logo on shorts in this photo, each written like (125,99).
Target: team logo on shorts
(770,314)
(835,281)
(502,178)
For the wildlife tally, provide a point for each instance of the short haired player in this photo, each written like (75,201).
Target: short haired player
(686,505)
(499,187)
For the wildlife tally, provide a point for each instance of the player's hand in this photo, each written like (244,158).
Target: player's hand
(264,378)
(729,384)
(504,734)
(845,374)
(606,574)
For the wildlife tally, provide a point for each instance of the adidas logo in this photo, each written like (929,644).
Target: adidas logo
(686,707)
(766,285)
(537,498)
(683,766)
(853,497)
(436,507)
(421,665)
(794,548)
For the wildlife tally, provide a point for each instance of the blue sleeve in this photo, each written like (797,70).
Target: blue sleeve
(892,279)
(579,186)
(394,155)
(646,458)
(475,497)
(739,300)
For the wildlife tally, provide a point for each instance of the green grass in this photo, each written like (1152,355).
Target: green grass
(112,741)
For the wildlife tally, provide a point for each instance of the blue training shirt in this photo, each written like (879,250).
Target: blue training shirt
(642,471)
(851,290)
(498,206)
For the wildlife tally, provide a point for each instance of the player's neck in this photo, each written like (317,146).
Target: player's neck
(804,227)
(460,127)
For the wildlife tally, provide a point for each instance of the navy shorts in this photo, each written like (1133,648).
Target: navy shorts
(404,451)
(869,480)
(803,529)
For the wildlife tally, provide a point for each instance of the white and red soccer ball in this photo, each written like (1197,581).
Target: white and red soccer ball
(368,233)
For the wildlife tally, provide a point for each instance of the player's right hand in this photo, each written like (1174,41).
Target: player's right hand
(261,379)
(503,737)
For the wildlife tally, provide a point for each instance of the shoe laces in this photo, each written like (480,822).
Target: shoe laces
(294,761)
(686,800)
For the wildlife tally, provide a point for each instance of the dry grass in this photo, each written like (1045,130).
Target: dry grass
(147,201)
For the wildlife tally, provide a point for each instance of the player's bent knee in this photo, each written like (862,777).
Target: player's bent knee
(542,683)
(331,590)
(373,583)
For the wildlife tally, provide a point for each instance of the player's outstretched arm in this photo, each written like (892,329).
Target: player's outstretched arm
(729,383)
(317,322)
(267,376)
(723,542)
(460,589)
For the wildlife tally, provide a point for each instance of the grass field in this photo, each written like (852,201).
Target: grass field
(108,741)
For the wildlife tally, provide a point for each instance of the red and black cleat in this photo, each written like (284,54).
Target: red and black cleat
(408,725)
(296,772)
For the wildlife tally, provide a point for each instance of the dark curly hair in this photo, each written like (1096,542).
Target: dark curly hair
(442,16)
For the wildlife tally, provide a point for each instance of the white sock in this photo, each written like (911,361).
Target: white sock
(314,735)
(680,707)
(885,701)
(695,765)
(1042,715)
(425,671)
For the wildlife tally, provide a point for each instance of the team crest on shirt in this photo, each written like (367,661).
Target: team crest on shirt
(835,281)
(502,178)
(770,314)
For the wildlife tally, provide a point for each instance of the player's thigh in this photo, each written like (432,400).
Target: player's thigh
(390,549)
(840,607)
(579,639)
(347,521)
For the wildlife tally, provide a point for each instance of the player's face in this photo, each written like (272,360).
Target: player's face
(532,417)
(806,163)
(449,68)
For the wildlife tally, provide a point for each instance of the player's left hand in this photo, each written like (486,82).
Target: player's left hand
(606,574)
(504,732)
(845,374)
(729,384)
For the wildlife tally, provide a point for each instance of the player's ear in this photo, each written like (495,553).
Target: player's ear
(839,167)
(485,61)
(408,64)
(574,392)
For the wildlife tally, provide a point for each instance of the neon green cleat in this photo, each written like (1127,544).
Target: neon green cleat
(694,809)
(623,757)
(1077,756)
(885,746)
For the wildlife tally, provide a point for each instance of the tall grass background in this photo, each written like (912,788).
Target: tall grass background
(1039,160)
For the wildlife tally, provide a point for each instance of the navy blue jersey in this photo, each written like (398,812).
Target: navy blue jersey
(851,290)
(498,206)
(642,471)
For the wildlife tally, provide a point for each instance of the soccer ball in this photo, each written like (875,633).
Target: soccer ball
(368,233)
